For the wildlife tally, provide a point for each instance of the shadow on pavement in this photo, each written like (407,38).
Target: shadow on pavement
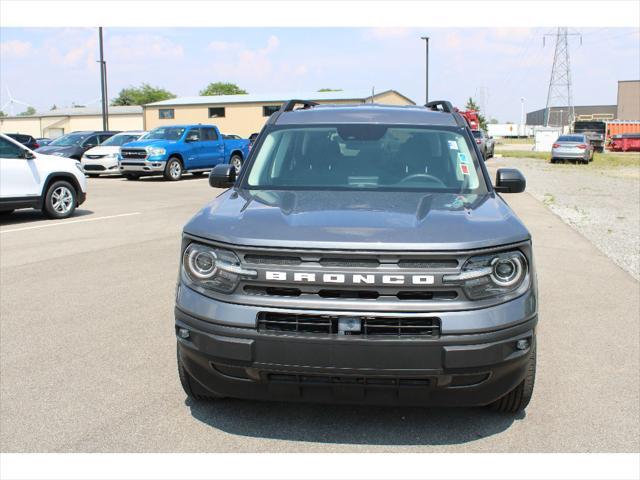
(30,215)
(346,424)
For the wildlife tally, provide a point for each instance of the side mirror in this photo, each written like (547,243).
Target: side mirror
(222,176)
(28,155)
(509,180)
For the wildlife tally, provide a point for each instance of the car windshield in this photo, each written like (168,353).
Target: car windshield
(571,138)
(165,133)
(477,133)
(372,157)
(118,140)
(69,139)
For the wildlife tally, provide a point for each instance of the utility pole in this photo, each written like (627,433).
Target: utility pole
(103,85)
(426,73)
(523,119)
(559,93)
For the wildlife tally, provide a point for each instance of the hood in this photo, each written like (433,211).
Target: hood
(100,150)
(358,220)
(145,143)
(51,149)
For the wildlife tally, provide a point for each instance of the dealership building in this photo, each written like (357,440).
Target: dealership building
(245,114)
(53,123)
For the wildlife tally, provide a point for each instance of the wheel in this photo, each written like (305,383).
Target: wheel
(492,152)
(236,161)
(60,200)
(517,399)
(189,385)
(131,176)
(553,160)
(173,170)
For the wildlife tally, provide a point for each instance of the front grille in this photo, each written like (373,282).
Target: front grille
(133,153)
(93,168)
(425,327)
(311,292)
(133,164)
(272,260)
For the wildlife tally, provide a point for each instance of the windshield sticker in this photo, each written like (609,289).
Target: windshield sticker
(462,158)
(464,169)
(453,145)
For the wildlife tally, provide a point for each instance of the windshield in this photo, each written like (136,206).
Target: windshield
(374,157)
(477,133)
(571,138)
(165,133)
(69,139)
(118,140)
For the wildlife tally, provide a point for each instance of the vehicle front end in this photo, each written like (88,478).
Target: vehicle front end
(140,159)
(101,160)
(360,263)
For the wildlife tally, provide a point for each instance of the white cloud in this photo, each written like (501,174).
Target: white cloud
(386,33)
(222,46)
(141,47)
(15,48)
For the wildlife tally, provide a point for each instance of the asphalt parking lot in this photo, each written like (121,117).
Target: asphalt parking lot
(87,349)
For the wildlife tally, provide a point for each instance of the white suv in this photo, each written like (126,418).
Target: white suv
(55,185)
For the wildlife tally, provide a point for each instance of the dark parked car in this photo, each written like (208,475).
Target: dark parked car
(362,255)
(43,141)
(74,144)
(252,138)
(26,140)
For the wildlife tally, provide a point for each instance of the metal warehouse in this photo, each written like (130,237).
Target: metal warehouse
(245,114)
(57,122)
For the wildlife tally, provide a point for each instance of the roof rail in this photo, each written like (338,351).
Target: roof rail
(446,106)
(290,105)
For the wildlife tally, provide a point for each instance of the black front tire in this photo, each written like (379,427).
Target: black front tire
(173,170)
(51,203)
(189,385)
(132,177)
(517,399)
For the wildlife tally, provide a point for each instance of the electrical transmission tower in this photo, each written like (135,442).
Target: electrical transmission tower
(559,93)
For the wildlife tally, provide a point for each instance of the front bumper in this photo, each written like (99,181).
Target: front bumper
(148,167)
(97,166)
(456,369)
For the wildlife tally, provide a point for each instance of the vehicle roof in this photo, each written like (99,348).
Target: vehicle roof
(93,131)
(367,113)
(185,125)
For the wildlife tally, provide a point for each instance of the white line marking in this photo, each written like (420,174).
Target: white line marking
(56,224)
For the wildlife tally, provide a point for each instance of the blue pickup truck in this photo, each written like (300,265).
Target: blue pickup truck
(173,150)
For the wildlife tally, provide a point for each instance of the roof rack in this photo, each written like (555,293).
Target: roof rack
(290,105)
(446,106)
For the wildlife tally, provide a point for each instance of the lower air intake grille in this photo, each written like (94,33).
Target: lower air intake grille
(428,327)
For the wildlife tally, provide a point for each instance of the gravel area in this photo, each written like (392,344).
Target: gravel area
(601,204)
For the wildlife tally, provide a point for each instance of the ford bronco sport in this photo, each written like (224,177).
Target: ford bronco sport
(362,255)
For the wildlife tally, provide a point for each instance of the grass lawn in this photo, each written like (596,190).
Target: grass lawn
(603,160)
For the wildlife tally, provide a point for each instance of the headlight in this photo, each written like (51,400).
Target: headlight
(155,151)
(491,275)
(213,268)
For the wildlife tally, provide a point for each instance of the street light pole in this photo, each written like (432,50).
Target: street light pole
(103,85)
(523,120)
(426,73)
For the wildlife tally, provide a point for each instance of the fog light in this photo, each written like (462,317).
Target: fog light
(183,333)
(522,344)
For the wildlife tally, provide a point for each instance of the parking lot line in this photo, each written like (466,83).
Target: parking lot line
(69,222)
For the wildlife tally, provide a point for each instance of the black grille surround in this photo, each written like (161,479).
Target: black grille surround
(98,168)
(370,326)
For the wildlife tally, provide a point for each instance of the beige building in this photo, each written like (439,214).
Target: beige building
(57,122)
(245,114)
(628,100)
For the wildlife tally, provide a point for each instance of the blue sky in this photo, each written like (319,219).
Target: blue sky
(46,66)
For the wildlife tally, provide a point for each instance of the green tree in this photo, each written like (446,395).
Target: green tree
(27,112)
(141,95)
(2,114)
(330,90)
(54,107)
(472,105)
(222,88)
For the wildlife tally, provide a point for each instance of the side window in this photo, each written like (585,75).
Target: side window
(209,134)
(91,141)
(166,113)
(9,150)
(193,135)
